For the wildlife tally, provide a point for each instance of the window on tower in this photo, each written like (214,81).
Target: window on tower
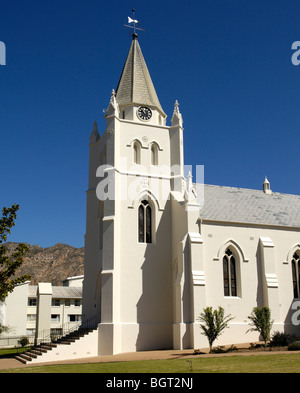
(154,154)
(137,153)
(145,222)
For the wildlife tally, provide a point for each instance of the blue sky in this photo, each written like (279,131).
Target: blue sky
(227,62)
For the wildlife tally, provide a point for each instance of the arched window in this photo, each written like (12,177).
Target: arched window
(145,222)
(154,154)
(229,274)
(137,153)
(296,275)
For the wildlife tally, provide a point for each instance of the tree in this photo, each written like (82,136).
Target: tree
(10,264)
(261,321)
(4,329)
(213,323)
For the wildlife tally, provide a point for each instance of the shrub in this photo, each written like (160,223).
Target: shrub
(294,346)
(282,339)
(24,341)
(261,321)
(213,323)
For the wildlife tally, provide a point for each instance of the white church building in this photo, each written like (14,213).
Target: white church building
(160,248)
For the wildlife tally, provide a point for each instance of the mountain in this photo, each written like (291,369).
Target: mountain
(53,264)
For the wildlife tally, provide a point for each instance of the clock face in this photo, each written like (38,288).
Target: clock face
(144,113)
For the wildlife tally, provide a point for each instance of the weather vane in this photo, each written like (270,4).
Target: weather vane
(134,21)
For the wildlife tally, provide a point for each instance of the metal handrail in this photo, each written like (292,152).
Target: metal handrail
(46,336)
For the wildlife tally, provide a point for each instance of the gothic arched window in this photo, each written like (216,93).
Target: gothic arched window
(137,153)
(154,154)
(145,222)
(229,274)
(296,275)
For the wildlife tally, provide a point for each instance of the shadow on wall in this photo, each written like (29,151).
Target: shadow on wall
(155,306)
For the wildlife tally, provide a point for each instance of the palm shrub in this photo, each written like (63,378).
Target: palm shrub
(212,324)
(261,321)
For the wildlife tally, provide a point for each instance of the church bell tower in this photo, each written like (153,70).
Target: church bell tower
(133,167)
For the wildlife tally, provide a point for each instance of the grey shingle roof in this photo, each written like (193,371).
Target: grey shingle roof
(135,85)
(32,290)
(67,292)
(250,206)
(59,292)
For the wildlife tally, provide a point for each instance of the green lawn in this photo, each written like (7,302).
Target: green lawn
(7,352)
(279,363)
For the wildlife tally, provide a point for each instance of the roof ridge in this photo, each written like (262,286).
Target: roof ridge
(247,189)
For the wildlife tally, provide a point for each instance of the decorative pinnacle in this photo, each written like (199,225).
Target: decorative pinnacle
(113,96)
(176,118)
(176,108)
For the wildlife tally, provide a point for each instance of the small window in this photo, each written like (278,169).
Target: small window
(32,302)
(137,153)
(55,318)
(296,275)
(55,302)
(67,302)
(77,302)
(145,222)
(74,318)
(229,274)
(154,154)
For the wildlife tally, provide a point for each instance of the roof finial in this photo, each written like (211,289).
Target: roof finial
(134,21)
(266,186)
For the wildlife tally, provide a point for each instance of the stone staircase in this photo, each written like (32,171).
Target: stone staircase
(37,353)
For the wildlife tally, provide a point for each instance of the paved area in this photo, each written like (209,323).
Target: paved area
(144,355)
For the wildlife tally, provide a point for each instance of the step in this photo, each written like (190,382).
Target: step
(37,351)
(24,356)
(31,354)
(48,345)
(20,359)
(40,349)
(43,347)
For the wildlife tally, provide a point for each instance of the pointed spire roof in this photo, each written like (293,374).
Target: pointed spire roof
(95,133)
(135,85)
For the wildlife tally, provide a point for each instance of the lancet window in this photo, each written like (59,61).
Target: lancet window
(229,274)
(296,275)
(154,154)
(145,222)
(137,153)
